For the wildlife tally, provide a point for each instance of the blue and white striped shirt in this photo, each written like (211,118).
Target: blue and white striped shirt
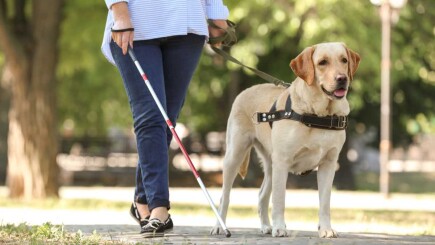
(162,18)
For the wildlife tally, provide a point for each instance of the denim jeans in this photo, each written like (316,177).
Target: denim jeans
(169,64)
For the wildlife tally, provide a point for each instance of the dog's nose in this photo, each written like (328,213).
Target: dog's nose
(341,79)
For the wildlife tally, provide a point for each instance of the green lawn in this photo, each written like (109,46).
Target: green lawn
(376,221)
(391,221)
(46,234)
(403,182)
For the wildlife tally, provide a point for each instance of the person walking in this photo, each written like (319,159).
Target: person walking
(167,37)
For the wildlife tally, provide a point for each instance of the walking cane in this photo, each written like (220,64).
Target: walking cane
(174,133)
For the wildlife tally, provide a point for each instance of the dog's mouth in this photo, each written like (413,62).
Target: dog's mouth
(338,93)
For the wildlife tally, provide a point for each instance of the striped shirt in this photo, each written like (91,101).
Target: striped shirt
(162,18)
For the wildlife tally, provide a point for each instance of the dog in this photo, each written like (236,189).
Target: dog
(324,72)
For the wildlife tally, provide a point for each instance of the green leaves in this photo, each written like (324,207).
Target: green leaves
(270,33)
(91,93)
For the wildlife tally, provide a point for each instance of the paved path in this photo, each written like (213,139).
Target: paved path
(118,226)
(187,235)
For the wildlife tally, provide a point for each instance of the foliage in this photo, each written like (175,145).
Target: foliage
(29,34)
(91,93)
(413,71)
(92,97)
(270,37)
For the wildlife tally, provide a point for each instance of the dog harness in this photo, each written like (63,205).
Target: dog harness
(329,122)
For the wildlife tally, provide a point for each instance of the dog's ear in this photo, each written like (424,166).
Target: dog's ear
(353,62)
(303,65)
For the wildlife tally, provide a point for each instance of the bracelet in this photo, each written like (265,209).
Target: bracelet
(122,30)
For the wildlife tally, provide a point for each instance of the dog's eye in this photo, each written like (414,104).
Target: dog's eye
(344,60)
(323,62)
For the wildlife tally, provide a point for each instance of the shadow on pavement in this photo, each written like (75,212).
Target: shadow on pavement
(200,235)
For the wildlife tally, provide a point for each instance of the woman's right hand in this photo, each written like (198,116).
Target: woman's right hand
(122,22)
(217,32)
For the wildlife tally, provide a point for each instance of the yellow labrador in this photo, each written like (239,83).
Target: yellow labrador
(313,140)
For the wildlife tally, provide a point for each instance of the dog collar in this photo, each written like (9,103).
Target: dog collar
(329,122)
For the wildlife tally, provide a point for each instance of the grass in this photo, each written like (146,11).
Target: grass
(414,223)
(400,182)
(77,204)
(372,221)
(419,222)
(46,234)
(396,222)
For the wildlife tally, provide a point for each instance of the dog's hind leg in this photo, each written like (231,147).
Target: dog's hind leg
(265,192)
(238,149)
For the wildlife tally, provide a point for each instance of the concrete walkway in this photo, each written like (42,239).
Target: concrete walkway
(200,235)
(194,229)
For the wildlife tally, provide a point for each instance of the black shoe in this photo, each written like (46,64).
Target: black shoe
(156,228)
(136,216)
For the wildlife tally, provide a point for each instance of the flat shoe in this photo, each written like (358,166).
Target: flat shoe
(134,213)
(156,228)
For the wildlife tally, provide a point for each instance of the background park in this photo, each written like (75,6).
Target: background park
(65,123)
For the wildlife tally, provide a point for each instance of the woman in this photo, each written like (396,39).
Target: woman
(167,37)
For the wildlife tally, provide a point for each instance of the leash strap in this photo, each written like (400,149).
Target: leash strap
(259,73)
(229,39)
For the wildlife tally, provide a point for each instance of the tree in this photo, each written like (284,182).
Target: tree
(412,72)
(270,37)
(29,33)
(91,95)
(92,98)
(4,107)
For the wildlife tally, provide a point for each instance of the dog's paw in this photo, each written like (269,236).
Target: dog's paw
(216,230)
(266,229)
(279,232)
(327,233)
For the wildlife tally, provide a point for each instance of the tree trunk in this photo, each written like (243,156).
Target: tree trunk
(4,108)
(31,58)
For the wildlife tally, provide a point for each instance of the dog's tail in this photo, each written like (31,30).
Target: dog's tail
(244,167)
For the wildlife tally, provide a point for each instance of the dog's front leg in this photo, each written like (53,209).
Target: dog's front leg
(279,181)
(325,177)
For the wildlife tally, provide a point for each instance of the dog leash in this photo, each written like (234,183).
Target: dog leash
(229,39)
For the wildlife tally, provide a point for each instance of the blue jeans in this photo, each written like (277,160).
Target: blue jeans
(169,64)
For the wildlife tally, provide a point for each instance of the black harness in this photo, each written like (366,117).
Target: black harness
(329,122)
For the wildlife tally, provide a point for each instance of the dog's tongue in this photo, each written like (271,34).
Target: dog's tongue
(340,92)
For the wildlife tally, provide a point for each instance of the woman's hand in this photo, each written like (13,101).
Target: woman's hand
(217,32)
(122,30)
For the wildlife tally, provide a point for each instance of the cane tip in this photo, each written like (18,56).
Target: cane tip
(227,233)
